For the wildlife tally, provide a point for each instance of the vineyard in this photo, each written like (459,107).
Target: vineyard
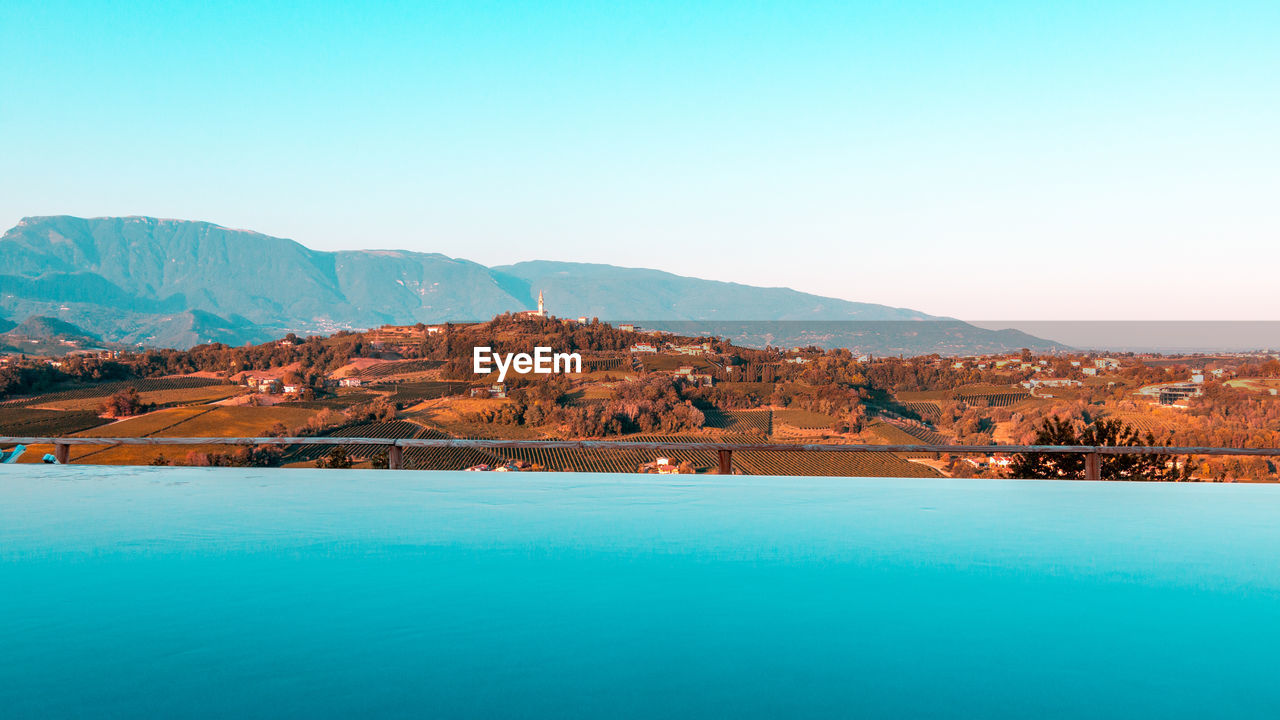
(748,421)
(925,410)
(1144,422)
(448,458)
(602,364)
(159,398)
(667,363)
(149,424)
(107,389)
(804,419)
(395,429)
(837,464)
(996,399)
(608,461)
(893,434)
(409,393)
(382,370)
(342,401)
(20,422)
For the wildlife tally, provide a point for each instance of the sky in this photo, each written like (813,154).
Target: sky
(980,160)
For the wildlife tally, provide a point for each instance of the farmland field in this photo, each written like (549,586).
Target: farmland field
(804,419)
(667,363)
(189,421)
(406,367)
(106,389)
(149,424)
(448,458)
(408,393)
(394,429)
(28,422)
(241,421)
(1003,398)
(756,421)
(160,398)
(627,461)
(1145,422)
(341,401)
(602,364)
(844,464)
(927,410)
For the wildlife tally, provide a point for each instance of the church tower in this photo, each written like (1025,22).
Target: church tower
(542,309)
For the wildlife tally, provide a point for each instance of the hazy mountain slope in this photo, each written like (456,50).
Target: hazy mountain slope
(618,293)
(177,283)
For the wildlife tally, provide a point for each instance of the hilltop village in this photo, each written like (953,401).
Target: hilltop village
(635,384)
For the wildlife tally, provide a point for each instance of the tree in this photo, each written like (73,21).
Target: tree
(124,404)
(337,459)
(1103,433)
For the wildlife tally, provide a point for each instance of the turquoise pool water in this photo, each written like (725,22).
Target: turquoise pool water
(161,592)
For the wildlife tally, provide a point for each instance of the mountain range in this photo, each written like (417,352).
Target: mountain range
(177,283)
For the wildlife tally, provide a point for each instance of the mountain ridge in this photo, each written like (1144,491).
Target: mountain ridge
(169,282)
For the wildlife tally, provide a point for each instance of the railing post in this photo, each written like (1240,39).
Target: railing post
(726,462)
(1093,466)
(62,453)
(395,457)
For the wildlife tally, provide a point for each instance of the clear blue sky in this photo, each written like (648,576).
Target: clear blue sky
(980,160)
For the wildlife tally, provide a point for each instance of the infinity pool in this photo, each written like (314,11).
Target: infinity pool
(164,592)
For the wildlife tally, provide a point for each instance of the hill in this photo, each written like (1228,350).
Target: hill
(178,283)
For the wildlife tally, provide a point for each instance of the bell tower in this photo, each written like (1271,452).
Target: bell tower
(542,308)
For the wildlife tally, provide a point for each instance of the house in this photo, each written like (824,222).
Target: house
(497,390)
(643,348)
(687,373)
(291,389)
(1177,392)
(1050,382)
(692,349)
(627,327)
(350,382)
(1093,371)
(1001,461)
(662,466)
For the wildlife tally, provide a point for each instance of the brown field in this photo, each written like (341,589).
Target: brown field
(804,419)
(1256,384)
(191,421)
(149,424)
(755,421)
(668,363)
(831,464)
(31,422)
(161,398)
(1156,423)
(928,410)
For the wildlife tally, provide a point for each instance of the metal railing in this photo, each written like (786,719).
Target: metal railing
(395,447)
